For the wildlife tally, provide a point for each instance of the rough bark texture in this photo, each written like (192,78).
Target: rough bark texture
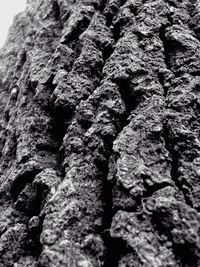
(100,135)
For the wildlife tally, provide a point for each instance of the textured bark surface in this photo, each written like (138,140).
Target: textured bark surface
(100,135)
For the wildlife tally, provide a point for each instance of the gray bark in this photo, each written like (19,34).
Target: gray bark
(100,135)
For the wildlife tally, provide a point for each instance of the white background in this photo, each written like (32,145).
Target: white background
(8,8)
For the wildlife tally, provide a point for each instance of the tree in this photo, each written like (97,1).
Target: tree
(100,149)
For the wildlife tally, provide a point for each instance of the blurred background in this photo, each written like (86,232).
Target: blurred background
(8,9)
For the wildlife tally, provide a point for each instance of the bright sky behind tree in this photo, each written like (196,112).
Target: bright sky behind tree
(8,9)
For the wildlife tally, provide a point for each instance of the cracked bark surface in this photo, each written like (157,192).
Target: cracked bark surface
(100,139)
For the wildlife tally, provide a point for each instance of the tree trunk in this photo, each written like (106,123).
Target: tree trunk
(100,135)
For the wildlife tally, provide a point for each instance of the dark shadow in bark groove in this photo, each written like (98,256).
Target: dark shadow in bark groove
(150,191)
(32,246)
(56,10)
(127,94)
(115,249)
(20,182)
(107,52)
(166,45)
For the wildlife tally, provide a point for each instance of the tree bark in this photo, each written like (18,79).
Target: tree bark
(100,135)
